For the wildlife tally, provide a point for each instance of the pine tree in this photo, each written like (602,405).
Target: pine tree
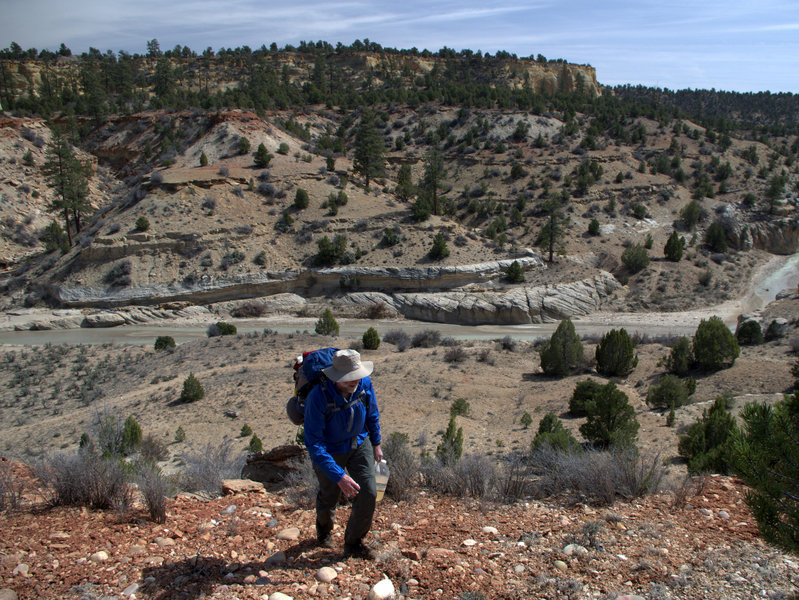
(764,455)
(610,419)
(674,247)
(714,345)
(432,179)
(552,233)
(262,157)
(327,325)
(404,189)
(450,449)
(369,159)
(69,177)
(615,354)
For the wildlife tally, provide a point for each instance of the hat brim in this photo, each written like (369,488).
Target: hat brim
(333,374)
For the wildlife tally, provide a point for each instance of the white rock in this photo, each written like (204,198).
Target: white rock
(21,569)
(326,574)
(130,590)
(723,514)
(469,542)
(382,590)
(280,596)
(100,556)
(561,566)
(291,534)
(491,530)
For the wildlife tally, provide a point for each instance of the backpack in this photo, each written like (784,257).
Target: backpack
(307,374)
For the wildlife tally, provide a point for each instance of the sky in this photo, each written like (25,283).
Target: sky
(733,45)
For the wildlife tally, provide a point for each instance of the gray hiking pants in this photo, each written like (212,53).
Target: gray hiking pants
(360,464)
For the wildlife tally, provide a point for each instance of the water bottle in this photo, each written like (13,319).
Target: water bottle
(381,476)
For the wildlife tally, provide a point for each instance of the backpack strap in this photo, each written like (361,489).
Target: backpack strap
(331,403)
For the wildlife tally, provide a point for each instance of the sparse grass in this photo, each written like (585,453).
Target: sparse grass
(205,468)
(10,488)
(154,488)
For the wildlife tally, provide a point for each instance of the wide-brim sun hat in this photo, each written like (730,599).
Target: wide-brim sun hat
(347,366)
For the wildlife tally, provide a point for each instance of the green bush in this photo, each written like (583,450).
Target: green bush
(749,334)
(131,435)
(583,392)
(221,328)
(593,227)
(330,252)
(301,199)
(180,435)
(164,342)
(283,148)
(615,354)
(142,224)
(714,345)
(404,466)
(246,430)
(255,444)
(439,249)
(610,420)
(192,389)
(371,339)
(669,392)
(459,407)
(450,449)
(327,325)
(551,432)
(262,157)
(764,456)
(635,258)
(707,444)
(563,352)
(514,273)
(716,238)
(203,160)
(526,419)
(674,247)
(680,357)
(243,145)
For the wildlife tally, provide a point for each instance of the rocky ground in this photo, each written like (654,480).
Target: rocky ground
(696,542)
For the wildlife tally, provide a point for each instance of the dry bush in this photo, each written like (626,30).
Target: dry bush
(689,487)
(153,450)
(302,484)
(155,489)
(205,469)
(85,479)
(379,310)
(10,489)
(429,338)
(249,310)
(595,476)
(403,467)
(470,476)
(455,354)
(512,480)
(399,338)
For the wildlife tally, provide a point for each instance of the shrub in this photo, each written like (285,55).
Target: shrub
(180,435)
(708,442)
(391,237)
(563,352)
(635,258)
(428,338)
(10,488)
(131,435)
(450,449)
(439,249)
(749,333)
(262,157)
(164,342)
(371,339)
(205,469)
(716,238)
(514,273)
(399,338)
(526,419)
(403,464)
(552,433)
(85,479)
(583,392)
(601,477)
(593,227)
(455,354)
(142,224)
(327,325)
(471,476)
(690,214)
(221,328)
(246,431)
(669,392)
(459,407)
(610,420)
(192,389)
(615,354)
(203,160)
(680,357)
(119,274)
(768,437)
(674,247)
(283,148)
(301,199)
(243,145)
(714,345)
(331,252)
(256,445)
(153,449)
(154,488)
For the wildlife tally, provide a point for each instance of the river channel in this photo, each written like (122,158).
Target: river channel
(781,273)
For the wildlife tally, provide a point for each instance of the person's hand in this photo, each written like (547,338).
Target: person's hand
(348,487)
(378,452)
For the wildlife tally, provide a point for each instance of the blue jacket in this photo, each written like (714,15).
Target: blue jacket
(327,434)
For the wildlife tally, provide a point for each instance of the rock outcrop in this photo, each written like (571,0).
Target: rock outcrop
(778,236)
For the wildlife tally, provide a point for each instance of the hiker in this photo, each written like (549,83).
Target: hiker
(347,438)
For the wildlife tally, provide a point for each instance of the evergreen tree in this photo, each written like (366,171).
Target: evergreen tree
(610,420)
(432,179)
(615,354)
(716,238)
(327,324)
(563,352)
(369,159)
(552,233)
(262,157)
(714,345)
(69,177)
(707,444)
(674,247)
(203,160)
(764,456)
(404,189)
(551,432)
(439,249)
(192,389)
(450,449)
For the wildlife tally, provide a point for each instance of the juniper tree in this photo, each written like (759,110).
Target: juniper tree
(714,345)
(369,158)
(610,420)
(553,232)
(615,354)
(563,352)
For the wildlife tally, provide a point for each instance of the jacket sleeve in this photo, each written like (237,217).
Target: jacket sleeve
(314,436)
(373,417)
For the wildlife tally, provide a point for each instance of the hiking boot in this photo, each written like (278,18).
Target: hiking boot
(359,550)
(326,542)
